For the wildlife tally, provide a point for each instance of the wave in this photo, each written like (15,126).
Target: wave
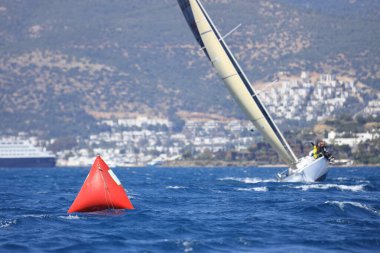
(187,246)
(35,216)
(255,189)
(42,192)
(247,180)
(357,180)
(69,217)
(354,188)
(175,187)
(132,194)
(343,204)
(7,223)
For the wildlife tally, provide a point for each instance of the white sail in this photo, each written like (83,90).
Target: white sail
(230,72)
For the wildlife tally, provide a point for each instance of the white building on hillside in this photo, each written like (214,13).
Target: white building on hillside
(334,138)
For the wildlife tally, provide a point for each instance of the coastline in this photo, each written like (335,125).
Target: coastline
(205,163)
(221,164)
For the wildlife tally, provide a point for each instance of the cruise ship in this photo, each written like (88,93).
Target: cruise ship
(21,153)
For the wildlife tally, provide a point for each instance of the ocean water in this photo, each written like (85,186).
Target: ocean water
(193,210)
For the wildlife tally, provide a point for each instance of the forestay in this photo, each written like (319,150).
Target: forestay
(230,72)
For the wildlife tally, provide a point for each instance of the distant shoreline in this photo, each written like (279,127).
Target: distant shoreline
(247,164)
(221,164)
(217,166)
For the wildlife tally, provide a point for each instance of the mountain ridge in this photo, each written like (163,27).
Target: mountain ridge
(62,61)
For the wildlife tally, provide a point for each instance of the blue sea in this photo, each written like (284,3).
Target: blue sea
(193,210)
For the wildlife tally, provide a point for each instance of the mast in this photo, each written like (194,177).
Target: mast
(234,78)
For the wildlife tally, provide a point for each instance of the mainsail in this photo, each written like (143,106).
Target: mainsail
(231,73)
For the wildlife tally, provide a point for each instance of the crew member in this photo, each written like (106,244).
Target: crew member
(315,152)
(320,150)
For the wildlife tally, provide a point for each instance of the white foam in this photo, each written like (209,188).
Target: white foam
(248,180)
(354,188)
(187,246)
(70,217)
(342,204)
(175,187)
(35,216)
(341,179)
(295,178)
(255,189)
(7,223)
(132,195)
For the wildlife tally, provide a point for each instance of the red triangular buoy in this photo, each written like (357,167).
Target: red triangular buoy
(101,190)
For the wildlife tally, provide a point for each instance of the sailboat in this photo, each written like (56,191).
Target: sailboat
(212,43)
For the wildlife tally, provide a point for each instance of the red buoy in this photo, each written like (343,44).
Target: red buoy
(101,190)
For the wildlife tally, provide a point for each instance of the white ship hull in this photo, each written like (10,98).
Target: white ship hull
(27,162)
(18,153)
(309,170)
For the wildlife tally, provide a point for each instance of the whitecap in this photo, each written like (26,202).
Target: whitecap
(342,204)
(7,223)
(248,180)
(175,187)
(354,188)
(42,192)
(70,217)
(35,216)
(255,189)
(295,178)
(358,180)
(132,195)
(187,246)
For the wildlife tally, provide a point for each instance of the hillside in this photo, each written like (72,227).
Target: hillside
(64,64)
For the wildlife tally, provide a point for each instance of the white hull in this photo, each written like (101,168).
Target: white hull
(309,170)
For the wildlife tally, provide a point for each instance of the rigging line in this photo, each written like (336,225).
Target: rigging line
(265,88)
(227,34)
(107,197)
(104,184)
(223,37)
